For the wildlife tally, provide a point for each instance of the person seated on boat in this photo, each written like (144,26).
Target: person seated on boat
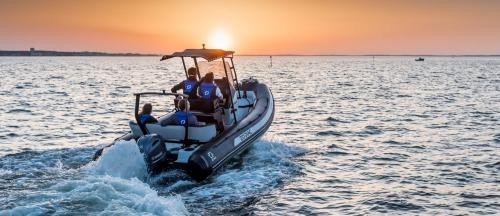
(145,116)
(189,85)
(183,113)
(209,91)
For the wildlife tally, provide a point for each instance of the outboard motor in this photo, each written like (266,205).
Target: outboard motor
(154,151)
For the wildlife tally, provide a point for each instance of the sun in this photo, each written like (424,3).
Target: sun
(219,39)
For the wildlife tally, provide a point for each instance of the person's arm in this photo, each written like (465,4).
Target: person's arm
(177,87)
(151,120)
(194,91)
(170,121)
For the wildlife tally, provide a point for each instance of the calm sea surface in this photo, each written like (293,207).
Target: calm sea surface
(351,135)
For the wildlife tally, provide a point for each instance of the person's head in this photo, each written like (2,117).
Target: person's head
(192,72)
(147,108)
(209,77)
(184,105)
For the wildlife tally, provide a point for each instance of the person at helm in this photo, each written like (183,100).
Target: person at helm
(208,90)
(183,114)
(188,86)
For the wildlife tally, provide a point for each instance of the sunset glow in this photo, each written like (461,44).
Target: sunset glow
(219,39)
(254,27)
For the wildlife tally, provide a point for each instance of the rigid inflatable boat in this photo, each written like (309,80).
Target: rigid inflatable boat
(229,126)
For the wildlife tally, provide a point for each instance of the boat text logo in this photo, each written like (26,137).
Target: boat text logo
(243,136)
(211,156)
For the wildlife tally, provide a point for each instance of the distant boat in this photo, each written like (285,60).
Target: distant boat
(419,59)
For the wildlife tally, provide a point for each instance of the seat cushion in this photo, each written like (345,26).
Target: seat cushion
(176,132)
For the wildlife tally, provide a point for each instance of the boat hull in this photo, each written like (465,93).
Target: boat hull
(211,156)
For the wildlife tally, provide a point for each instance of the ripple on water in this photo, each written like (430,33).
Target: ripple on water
(19,111)
(332,119)
(479,196)
(403,96)
(329,133)
(56,77)
(11,135)
(370,130)
(123,87)
(383,205)
(496,138)
(336,150)
(385,158)
(393,142)
(493,165)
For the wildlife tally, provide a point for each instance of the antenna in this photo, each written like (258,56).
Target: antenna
(270,70)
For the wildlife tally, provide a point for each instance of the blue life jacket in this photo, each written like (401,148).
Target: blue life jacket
(207,91)
(144,117)
(181,117)
(188,86)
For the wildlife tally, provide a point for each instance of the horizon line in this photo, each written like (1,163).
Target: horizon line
(282,54)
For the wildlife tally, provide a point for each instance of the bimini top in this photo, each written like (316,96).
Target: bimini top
(207,54)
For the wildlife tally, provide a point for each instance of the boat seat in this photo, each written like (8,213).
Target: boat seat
(201,105)
(176,132)
(226,90)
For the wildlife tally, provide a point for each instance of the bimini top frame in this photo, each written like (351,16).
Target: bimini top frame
(207,54)
(211,55)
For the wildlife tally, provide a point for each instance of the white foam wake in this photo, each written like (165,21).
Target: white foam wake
(266,166)
(104,195)
(108,186)
(120,160)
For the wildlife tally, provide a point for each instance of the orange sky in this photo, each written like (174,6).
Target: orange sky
(254,27)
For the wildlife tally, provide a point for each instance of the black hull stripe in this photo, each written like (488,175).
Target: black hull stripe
(242,146)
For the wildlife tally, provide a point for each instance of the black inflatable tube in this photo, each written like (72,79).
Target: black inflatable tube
(211,156)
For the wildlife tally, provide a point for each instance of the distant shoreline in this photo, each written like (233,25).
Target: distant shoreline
(92,53)
(33,52)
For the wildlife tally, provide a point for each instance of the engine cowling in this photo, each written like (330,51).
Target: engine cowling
(155,153)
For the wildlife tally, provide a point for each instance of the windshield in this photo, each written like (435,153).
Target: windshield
(216,67)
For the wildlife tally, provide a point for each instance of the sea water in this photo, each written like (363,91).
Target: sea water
(351,135)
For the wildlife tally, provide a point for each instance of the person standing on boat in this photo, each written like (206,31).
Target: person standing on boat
(183,114)
(189,85)
(145,116)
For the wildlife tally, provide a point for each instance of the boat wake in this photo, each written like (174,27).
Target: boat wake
(266,166)
(111,185)
(118,183)
(121,160)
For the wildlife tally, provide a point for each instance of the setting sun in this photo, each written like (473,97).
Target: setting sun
(219,39)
